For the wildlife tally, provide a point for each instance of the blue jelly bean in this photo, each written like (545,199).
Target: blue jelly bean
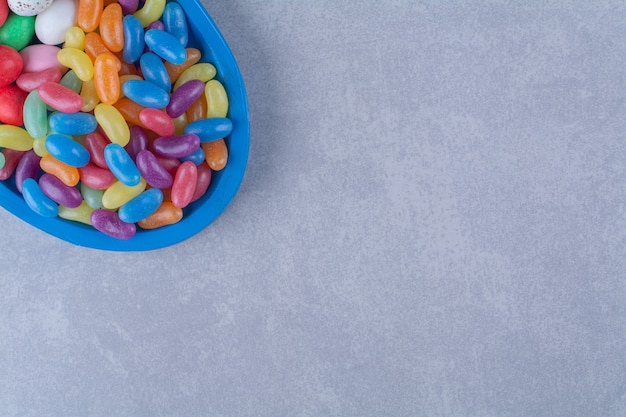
(121,164)
(133,39)
(73,123)
(153,70)
(166,46)
(67,150)
(175,22)
(37,200)
(141,206)
(146,93)
(210,129)
(197,157)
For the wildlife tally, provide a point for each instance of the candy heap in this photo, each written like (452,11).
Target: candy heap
(109,117)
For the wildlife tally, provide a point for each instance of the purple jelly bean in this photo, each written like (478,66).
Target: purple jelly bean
(184,97)
(28,167)
(152,171)
(129,6)
(157,24)
(138,142)
(109,223)
(176,146)
(58,192)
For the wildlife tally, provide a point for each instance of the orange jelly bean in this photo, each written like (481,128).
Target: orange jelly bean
(215,154)
(111,27)
(197,110)
(166,214)
(174,71)
(89,13)
(106,78)
(94,46)
(130,111)
(69,175)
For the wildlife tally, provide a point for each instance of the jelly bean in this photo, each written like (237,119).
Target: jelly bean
(39,146)
(128,77)
(78,61)
(203,72)
(74,38)
(152,171)
(89,95)
(92,197)
(89,13)
(52,23)
(106,78)
(216,154)
(109,223)
(165,45)
(11,159)
(2,159)
(180,123)
(95,144)
(157,121)
(66,173)
(138,141)
(71,81)
(151,11)
(113,124)
(94,46)
(60,193)
(184,97)
(197,110)
(12,100)
(133,39)
(184,184)
(170,164)
(11,65)
(157,24)
(174,71)
(129,6)
(17,31)
(60,97)
(154,71)
(41,57)
(121,164)
(216,99)
(37,200)
(210,129)
(67,150)
(175,22)
(166,214)
(80,214)
(146,94)
(119,194)
(197,157)
(112,28)
(130,111)
(125,67)
(204,180)
(16,138)
(141,206)
(4,11)
(73,123)
(176,146)
(96,177)
(27,167)
(35,115)
(29,81)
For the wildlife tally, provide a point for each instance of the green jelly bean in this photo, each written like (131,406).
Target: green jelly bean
(35,115)
(17,31)
(2,160)
(71,81)
(80,214)
(92,197)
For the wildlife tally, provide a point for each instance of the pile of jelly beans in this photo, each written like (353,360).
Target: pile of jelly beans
(108,116)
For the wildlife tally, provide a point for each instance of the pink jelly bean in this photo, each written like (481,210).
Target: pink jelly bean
(29,81)
(95,143)
(95,177)
(60,97)
(109,223)
(152,171)
(40,57)
(184,184)
(204,180)
(157,121)
(138,141)
(176,146)
(183,97)
(27,167)
(58,192)
(11,159)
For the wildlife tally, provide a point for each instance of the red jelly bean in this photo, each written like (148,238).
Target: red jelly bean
(95,177)
(95,144)
(12,100)
(4,11)
(170,164)
(29,81)
(11,65)
(11,159)
(204,180)
(60,97)
(157,121)
(184,184)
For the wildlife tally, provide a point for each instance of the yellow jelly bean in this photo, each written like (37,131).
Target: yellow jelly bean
(113,123)
(39,146)
(80,214)
(119,194)
(75,38)
(203,72)
(78,61)
(151,11)
(89,95)
(216,99)
(16,138)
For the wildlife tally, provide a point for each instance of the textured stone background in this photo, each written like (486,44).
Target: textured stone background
(432,223)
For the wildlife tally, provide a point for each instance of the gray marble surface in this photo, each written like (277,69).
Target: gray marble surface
(432,223)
